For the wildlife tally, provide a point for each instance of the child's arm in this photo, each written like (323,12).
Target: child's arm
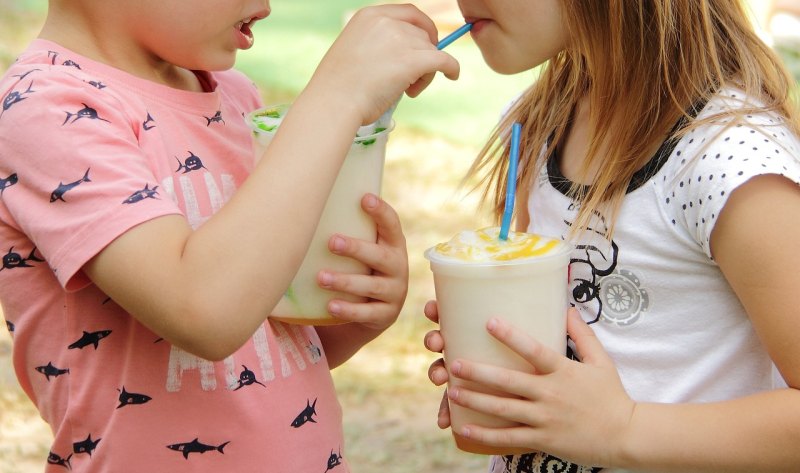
(385,288)
(580,411)
(207,290)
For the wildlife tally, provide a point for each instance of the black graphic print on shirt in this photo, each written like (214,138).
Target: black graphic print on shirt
(54,57)
(13,260)
(217,118)
(89,338)
(334,460)
(192,163)
(195,446)
(149,123)
(50,370)
(142,194)
(307,415)
(599,288)
(247,378)
(130,399)
(58,193)
(14,97)
(540,463)
(86,446)
(10,326)
(55,459)
(7,182)
(85,112)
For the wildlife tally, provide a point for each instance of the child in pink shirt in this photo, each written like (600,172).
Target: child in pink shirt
(144,247)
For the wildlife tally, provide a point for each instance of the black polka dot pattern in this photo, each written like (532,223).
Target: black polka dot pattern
(713,160)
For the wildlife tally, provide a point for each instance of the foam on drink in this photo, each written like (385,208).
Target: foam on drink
(485,245)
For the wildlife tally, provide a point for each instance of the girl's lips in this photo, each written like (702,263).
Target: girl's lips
(477,24)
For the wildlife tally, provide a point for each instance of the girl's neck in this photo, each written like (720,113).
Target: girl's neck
(573,149)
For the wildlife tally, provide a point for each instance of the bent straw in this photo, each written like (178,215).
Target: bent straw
(511,181)
(445,42)
(386,118)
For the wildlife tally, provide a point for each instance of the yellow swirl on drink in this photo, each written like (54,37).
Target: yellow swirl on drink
(485,245)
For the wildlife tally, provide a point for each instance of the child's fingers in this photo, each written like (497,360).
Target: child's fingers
(404,12)
(382,259)
(372,287)
(587,344)
(515,410)
(377,315)
(543,359)
(386,220)
(431,311)
(434,341)
(443,419)
(505,380)
(437,373)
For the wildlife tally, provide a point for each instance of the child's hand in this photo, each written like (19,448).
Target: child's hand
(578,411)
(382,52)
(437,372)
(387,286)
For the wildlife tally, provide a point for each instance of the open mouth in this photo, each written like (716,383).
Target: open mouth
(245,27)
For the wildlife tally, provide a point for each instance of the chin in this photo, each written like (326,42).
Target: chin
(503,67)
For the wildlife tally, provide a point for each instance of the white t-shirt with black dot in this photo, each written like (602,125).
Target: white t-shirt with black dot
(659,303)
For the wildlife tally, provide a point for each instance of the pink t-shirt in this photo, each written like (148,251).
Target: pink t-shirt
(86,153)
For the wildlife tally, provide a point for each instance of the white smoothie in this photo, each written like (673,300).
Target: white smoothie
(362,172)
(522,280)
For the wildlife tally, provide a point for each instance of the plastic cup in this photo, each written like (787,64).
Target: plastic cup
(530,293)
(362,172)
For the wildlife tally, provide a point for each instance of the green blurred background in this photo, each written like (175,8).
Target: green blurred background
(389,405)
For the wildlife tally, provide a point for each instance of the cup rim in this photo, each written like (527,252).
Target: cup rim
(283,107)
(563,248)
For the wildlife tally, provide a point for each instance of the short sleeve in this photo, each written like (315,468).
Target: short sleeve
(712,161)
(81,179)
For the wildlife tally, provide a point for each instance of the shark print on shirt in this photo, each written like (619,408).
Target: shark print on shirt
(195,446)
(217,118)
(8,182)
(128,399)
(142,194)
(88,338)
(58,193)
(54,459)
(85,446)
(13,260)
(307,415)
(85,112)
(14,97)
(192,163)
(50,370)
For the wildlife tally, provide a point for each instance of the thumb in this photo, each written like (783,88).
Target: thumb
(589,348)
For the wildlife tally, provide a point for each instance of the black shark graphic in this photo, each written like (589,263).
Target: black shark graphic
(8,182)
(96,84)
(130,399)
(315,350)
(51,370)
(195,447)
(71,63)
(149,123)
(24,75)
(54,459)
(14,97)
(142,194)
(62,188)
(246,378)
(88,338)
(192,163)
(13,260)
(10,326)
(217,118)
(307,415)
(85,446)
(85,112)
(53,56)
(334,460)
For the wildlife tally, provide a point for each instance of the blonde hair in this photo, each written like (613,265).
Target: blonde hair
(642,64)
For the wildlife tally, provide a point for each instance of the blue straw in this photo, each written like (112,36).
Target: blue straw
(511,181)
(445,42)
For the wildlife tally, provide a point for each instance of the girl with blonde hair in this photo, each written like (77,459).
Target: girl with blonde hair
(661,140)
